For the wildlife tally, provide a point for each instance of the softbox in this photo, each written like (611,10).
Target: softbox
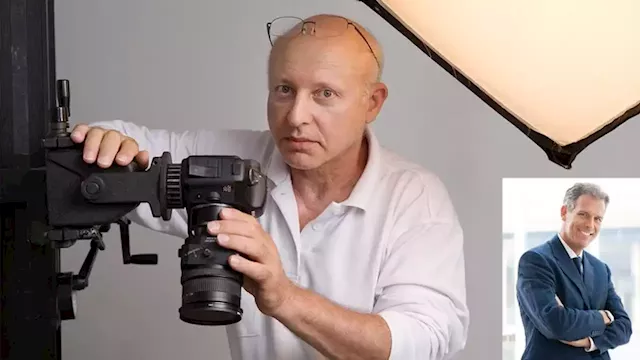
(565,73)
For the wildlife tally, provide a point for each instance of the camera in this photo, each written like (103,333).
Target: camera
(204,186)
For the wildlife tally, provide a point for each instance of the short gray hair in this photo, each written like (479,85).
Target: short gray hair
(579,189)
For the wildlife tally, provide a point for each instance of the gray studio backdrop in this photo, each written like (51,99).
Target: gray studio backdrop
(201,63)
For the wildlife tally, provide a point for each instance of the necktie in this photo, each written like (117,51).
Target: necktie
(578,262)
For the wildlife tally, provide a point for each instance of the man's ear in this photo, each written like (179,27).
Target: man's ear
(563,212)
(377,95)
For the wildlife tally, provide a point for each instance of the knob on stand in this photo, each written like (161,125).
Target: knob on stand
(63,111)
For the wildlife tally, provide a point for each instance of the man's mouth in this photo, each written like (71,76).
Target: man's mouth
(298,139)
(586,233)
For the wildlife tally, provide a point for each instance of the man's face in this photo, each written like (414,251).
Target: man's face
(582,224)
(317,105)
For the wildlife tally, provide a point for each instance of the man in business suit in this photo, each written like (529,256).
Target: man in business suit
(569,307)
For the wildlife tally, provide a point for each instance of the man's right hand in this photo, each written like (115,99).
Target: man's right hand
(103,146)
(605,317)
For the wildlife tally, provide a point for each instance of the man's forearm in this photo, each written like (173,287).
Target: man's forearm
(334,331)
(555,321)
(567,324)
(619,333)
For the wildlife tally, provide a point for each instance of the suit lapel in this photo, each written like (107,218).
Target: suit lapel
(589,279)
(569,268)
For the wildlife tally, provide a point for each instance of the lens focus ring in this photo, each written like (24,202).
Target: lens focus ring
(202,284)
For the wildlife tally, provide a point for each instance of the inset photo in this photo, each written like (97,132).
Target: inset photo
(570,268)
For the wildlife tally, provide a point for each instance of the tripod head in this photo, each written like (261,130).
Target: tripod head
(69,200)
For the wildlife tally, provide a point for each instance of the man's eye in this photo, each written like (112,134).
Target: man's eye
(326,93)
(283,89)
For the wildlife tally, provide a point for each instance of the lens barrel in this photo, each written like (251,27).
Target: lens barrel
(211,296)
(211,289)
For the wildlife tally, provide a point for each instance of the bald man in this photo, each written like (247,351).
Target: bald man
(359,253)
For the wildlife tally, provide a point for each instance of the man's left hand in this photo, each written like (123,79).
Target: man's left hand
(582,343)
(265,278)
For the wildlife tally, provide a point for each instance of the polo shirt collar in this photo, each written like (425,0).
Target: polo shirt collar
(365,188)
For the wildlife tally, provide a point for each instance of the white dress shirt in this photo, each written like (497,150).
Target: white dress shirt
(393,248)
(572,255)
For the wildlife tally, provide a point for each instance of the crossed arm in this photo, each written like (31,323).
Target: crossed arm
(586,343)
(619,332)
(537,295)
(536,292)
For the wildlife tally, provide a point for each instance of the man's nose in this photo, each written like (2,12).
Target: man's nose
(591,223)
(299,113)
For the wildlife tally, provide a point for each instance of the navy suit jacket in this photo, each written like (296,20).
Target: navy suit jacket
(546,271)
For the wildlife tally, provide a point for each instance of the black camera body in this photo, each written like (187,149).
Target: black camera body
(211,290)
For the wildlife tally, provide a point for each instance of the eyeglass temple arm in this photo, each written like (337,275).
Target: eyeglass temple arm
(366,42)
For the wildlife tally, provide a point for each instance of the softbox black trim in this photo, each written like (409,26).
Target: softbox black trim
(560,155)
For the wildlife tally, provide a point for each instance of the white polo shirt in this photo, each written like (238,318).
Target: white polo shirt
(394,247)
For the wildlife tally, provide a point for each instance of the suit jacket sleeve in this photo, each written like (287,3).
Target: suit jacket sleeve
(619,332)
(536,292)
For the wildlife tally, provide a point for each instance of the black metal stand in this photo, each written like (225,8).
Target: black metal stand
(29,316)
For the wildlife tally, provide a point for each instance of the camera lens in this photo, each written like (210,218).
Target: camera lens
(211,296)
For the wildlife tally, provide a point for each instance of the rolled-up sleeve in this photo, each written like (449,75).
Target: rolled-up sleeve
(421,287)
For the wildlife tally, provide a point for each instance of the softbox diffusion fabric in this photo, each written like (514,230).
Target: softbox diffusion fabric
(565,73)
